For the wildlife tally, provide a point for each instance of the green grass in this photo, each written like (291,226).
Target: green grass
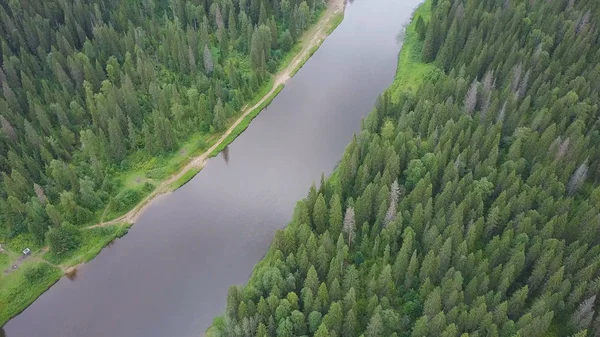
(17,291)
(126,200)
(21,287)
(22,241)
(245,122)
(262,92)
(335,22)
(5,259)
(289,56)
(411,71)
(187,176)
(93,240)
(150,169)
(305,58)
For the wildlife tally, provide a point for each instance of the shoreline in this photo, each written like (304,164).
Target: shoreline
(311,40)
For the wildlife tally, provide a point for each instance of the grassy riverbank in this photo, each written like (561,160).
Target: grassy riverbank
(332,25)
(92,242)
(185,178)
(42,269)
(24,286)
(411,72)
(410,75)
(243,125)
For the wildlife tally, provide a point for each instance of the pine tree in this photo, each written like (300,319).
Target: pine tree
(322,331)
(349,225)
(320,214)
(314,322)
(220,118)
(582,318)
(312,280)
(117,142)
(208,61)
(577,178)
(335,215)
(471,97)
(375,327)
(421,28)
(394,195)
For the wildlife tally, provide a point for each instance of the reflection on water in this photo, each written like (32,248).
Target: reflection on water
(225,154)
(2,333)
(71,274)
(401,35)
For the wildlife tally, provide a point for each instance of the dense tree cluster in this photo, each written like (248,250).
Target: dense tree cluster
(85,84)
(469,209)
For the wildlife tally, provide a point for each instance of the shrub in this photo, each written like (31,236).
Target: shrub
(36,273)
(64,238)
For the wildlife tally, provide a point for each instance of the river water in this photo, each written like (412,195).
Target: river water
(169,276)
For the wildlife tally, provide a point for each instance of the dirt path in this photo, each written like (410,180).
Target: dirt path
(312,37)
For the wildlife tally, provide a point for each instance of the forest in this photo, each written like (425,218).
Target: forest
(90,90)
(469,207)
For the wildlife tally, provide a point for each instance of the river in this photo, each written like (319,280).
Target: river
(169,276)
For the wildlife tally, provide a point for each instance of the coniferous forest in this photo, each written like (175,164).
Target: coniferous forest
(90,89)
(470,207)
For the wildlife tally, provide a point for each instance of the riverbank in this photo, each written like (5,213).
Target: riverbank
(185,163)
(38,272)
(410,75)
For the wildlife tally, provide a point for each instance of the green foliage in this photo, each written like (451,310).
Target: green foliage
(89,244)
(127,199)
(243,125)
(21,242)
(64,238)
(36,273)
(336,21)
(4,260)
(411,71)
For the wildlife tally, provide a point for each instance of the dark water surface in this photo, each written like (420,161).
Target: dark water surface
(169,276)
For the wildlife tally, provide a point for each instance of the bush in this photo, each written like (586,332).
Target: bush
(36,273)
(359,258)
(122,231)
(126,199)
(157,173)
(64,238)
(148,187)
(4,259)
(286,41)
